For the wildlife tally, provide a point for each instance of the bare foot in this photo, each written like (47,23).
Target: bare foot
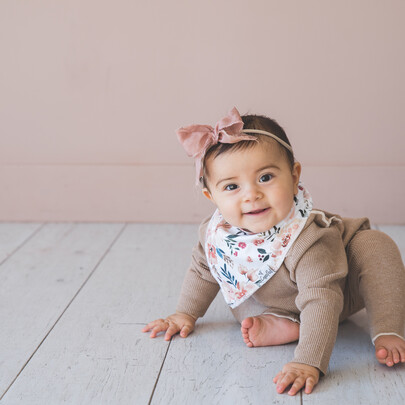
(268,330)
(390,350)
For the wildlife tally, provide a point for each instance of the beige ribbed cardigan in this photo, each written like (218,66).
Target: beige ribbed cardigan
(308,287)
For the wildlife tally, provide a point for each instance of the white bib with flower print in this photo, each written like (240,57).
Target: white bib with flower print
(241,262)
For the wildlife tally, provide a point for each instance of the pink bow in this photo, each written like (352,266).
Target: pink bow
(197,139)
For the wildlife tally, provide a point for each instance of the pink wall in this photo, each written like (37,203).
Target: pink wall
(91,93)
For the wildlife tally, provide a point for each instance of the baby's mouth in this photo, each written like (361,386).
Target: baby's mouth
(257,212)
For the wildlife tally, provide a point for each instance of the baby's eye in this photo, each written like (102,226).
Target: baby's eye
(231,187)
(265,178)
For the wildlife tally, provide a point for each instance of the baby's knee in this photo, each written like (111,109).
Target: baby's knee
(373,247)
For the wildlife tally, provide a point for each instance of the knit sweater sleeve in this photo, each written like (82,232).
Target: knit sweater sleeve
(199,286)
(319,275)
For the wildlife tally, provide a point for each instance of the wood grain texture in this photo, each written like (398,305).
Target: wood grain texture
(38,282)
(13,236)
(96,353)
(214,366)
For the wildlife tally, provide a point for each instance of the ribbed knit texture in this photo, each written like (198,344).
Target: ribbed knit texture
(381,279)
(312,284)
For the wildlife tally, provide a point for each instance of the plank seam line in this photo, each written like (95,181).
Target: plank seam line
(29,237)
(160,371)
(67,307)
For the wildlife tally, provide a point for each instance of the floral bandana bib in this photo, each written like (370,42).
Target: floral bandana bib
(241,262)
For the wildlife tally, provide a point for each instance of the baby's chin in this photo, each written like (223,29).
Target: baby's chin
(254,230)
(257,228)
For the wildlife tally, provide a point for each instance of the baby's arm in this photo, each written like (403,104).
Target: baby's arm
(319,274)
(173,324)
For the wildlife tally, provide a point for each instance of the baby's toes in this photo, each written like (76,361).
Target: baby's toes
(389,360)
(396,356)
(248,343)
(381,353)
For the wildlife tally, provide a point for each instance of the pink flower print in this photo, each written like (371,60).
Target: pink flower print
(286,240)
(241,293)
(295,226)
(242,269)
(252,276)
(249,259)
(277,244)
(242,245)
(212,256)
(235,253)
(258,242)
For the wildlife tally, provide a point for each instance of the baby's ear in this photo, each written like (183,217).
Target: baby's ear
(207,193)
(296,174)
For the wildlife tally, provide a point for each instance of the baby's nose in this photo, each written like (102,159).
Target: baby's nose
(252,193)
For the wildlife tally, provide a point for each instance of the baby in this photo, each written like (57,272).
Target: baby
(288,271)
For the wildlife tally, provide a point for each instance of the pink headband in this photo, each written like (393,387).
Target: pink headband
(197,139)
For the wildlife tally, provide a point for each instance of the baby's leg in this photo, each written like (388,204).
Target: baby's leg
(379,273)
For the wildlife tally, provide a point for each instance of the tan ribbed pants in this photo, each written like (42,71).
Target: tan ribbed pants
(376,280)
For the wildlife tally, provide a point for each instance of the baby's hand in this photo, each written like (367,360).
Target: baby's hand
(173,324)
(298,375)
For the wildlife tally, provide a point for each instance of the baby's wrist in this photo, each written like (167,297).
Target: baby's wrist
(304,366)
(188,315)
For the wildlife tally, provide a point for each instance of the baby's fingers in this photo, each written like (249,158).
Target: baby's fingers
(171,330)
(287,379)
(284,381)
(185,331)
(275,379)
(309,385)
(298,384)
(156,327)
(148,327)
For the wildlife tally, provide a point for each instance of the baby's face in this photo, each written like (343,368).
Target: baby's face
(253,188)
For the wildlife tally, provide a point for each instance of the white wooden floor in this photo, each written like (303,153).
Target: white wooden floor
(74,297)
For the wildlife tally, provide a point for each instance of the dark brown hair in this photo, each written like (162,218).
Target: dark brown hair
(251,122)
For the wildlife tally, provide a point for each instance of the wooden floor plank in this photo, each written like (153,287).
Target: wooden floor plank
(13,235)
(39,281)
(107,360)
(214,366)
(96,353)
